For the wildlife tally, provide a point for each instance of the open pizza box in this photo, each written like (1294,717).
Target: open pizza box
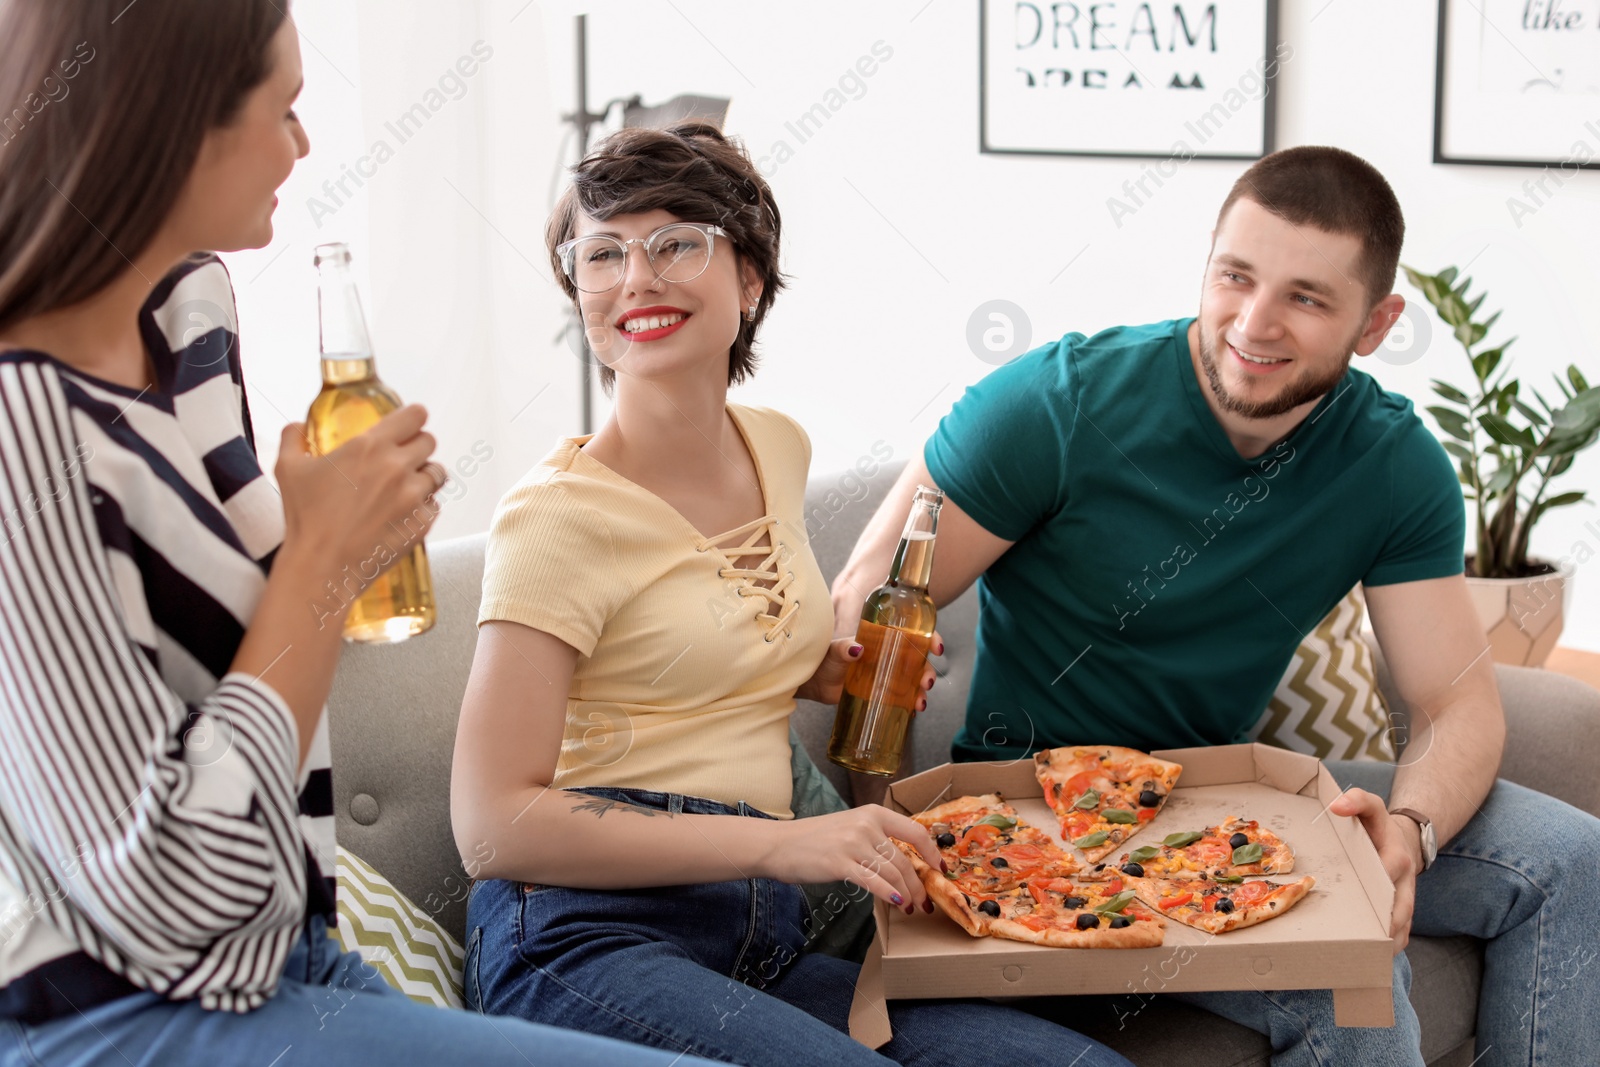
(1336,938)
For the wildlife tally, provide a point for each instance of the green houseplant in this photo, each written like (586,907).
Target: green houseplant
(1511,444)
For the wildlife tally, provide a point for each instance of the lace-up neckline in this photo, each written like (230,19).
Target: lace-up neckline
(781,606)
(765,578)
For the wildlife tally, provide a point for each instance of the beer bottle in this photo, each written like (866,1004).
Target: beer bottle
(398,603)
(896,630)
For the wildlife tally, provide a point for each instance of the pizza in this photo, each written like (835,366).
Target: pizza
(1219,907)
(987,848)
(1058,912)
(1005,878)
(1103,794)
(1234,848)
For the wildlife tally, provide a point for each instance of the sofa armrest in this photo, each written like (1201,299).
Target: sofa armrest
(1552,734)
(1552,730)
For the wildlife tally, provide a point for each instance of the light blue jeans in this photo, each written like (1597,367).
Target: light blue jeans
(331,1010)
(1521,875)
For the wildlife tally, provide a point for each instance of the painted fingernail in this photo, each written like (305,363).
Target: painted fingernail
(943,866)
(855,650)
(928,684)
(927,906)
(940,650)
(910,910)
(895,898)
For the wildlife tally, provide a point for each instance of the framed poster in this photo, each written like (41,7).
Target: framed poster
(1181,78)
(1517,83)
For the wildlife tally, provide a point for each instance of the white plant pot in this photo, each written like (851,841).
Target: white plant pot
(1522,616)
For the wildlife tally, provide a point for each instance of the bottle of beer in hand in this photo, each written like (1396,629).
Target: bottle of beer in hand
(398,603)
(896,630)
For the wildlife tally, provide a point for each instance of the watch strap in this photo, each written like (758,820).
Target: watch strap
(1423,823)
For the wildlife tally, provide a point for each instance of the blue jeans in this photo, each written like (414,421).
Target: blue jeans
(719,970)
(331,1009)
(1521,875)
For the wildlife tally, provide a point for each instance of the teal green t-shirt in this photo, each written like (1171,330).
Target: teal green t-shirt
(1159,583)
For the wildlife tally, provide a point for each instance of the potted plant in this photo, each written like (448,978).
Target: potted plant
(1511,445)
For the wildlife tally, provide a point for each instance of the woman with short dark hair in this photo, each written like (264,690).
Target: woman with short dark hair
(651,611)
(162,670)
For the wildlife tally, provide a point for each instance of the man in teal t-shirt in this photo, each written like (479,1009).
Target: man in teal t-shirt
(1155,516)
(1159,581)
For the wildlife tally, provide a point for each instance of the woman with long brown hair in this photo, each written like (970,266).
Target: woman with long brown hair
(162,672)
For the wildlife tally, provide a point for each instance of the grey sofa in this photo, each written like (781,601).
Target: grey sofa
(393,717)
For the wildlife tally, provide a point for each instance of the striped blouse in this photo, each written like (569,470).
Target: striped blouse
(155,830)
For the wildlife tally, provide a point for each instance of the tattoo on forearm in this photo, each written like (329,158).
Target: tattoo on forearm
(599,806)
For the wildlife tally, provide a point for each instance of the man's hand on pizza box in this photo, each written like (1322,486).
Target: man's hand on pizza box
(827,684)
(1399,848)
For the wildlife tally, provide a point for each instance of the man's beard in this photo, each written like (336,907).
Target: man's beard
(1301,390)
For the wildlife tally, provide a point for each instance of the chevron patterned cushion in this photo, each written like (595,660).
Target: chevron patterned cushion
(399,940)
(1328,703)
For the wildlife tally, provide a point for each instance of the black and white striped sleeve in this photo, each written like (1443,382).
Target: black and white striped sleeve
(169,827)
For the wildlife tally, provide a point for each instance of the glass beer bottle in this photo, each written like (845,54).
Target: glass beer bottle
(398,603)
(895,633)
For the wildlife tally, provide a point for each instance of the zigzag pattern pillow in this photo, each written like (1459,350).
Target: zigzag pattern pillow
(399,940)
(1329,704)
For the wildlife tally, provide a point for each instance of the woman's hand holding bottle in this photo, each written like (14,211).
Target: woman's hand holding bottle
(365,503)
(826,686)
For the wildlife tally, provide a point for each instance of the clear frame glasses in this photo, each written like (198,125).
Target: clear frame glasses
(678,252)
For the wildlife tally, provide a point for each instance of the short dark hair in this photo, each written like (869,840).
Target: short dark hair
(1336,191)
(697,174)
(88,178)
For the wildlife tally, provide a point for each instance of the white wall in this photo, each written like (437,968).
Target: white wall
(896,227)
(446,231)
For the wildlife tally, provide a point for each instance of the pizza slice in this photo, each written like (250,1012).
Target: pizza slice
(1233,849)
(1103,794)
(987,848)
(1217,908)
(1057,912)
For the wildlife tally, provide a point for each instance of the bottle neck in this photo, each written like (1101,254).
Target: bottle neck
(913,560)
(345,344)
(342,371)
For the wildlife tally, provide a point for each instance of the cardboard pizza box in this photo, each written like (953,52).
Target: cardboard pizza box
(1336,938)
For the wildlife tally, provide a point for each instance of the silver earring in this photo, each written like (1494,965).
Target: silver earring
(751,313)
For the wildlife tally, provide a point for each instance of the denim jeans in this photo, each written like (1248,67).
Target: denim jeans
(1521,875)
(720,970)
(331,1009)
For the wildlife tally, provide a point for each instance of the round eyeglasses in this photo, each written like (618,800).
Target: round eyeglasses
(678,252)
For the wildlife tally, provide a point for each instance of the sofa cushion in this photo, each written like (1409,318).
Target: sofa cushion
(408,949)
(1328,704)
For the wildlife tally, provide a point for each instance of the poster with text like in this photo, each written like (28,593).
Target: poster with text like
(1179,79)
(1518,83)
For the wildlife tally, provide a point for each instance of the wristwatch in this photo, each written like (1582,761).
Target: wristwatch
(1430,844)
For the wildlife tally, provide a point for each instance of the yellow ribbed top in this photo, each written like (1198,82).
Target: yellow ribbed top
(690,648)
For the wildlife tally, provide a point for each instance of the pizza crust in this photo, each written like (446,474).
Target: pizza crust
(1134,935)
(946,896)
(963,808)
